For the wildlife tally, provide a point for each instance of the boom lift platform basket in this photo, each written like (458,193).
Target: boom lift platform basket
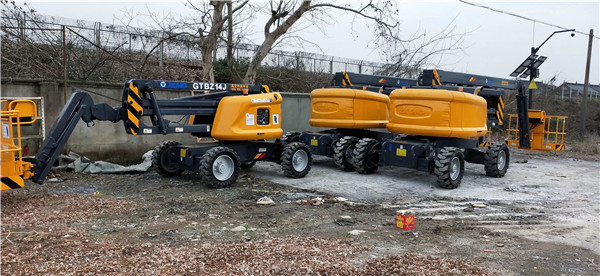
(547,132)
(14,114)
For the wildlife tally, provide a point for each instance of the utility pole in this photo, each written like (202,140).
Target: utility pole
(533,73)
(586,84)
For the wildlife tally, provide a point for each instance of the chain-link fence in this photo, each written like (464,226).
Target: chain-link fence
(80,49)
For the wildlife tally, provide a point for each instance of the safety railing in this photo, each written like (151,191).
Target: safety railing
(548,134)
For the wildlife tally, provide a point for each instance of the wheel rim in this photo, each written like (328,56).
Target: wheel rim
(501,160)
(373,156)
(454,168)
(349,153)
(300,160)
(223,167)
(164,162)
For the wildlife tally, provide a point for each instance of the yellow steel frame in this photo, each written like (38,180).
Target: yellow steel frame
(548,134)
(13,169)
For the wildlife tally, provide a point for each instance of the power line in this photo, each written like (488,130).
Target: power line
(522,17)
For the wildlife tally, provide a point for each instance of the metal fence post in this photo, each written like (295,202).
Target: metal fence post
(214,54)
(97,27)
(161,50)
(360,67)
(331,66)
(188,53)
(22,23)
(64,56)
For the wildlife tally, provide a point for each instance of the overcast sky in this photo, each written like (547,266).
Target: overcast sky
(496,45)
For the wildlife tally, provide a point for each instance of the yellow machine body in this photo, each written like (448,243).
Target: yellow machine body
(248,117)
(13,115)
(348,108)
(547,133)
(437,113)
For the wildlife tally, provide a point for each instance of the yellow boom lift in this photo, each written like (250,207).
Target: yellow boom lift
(244,120)
(435,124)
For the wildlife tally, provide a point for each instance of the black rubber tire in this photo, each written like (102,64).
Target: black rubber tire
(366,156)
(206,167)
(159,159)
(287,160)
(343,151)
(285,139)
(443,164)
(247,165)
(491,160)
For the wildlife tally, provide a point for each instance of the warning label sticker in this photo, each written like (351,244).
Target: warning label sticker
(249,119)
(275,118)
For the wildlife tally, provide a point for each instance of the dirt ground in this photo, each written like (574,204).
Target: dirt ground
(541,219)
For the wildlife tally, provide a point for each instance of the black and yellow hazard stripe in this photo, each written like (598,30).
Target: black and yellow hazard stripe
(346,79)
(134,109)
(12,182)
(500,110)
(436,78)
(486,140)
(560,147)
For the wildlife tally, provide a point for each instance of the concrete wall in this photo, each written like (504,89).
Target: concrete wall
(109,141)
(296,112)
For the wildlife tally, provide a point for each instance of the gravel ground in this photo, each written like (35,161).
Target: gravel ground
(557,197)
(145,224)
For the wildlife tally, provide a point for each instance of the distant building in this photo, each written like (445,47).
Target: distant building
(569,89)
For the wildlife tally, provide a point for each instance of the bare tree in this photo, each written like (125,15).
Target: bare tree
(210,28)
(205,29)
(285,14)
(406,58)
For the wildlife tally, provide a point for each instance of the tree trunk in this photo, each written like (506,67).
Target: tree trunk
(208,73)
(230,42)
(209,43)
(271,38)
(261,53)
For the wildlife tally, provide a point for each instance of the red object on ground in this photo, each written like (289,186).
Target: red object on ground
(405,222)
